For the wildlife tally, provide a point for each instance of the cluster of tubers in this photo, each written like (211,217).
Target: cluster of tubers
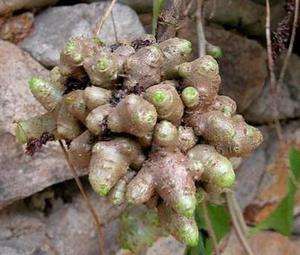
(148,124)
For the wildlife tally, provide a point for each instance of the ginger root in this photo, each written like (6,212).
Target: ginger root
(110,161)
(148,125)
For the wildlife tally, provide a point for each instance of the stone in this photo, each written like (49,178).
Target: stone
(166,246)
(20,174)
(66,229)
(17,102)
(245,16)
(242,66)
(263,243)
(8,6)
(16,28)
(140,6)
(286,99)
(53,28)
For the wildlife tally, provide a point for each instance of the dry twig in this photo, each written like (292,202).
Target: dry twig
(101,22)
(237,227)
(200,29)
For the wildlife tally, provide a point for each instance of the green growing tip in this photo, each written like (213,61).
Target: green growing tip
(189,234)
(215,52)
(186,47)
(186,206)
(103,190)
(103,64)
(226,180)
(35,84)
(159,97)
(190,96)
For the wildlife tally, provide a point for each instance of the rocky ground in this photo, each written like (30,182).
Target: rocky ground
(41,210)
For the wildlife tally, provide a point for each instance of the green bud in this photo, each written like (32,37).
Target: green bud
(186,47)
(214,51)
(47,94)
(186,206)
(190,96)
(159,97)
(103,64)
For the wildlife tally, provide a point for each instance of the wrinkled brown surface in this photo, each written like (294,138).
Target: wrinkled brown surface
(165,171)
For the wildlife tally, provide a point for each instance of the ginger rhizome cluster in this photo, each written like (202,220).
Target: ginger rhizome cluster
(146,121)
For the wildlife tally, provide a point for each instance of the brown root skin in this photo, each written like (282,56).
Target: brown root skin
(224,104)
(231,136)
(68,127)
(165,172)
(207,164)
(146,140)
(176,51)
(167,101)
(165,135)
(143,68)
(102,69)
(182,228)
(95,96)
(80,150)
(57,78)
(76,104)
(186,138)
(110,162)
(203,74)
(117,194)
(34,127)
(96,119)
(76,50)
(133,115)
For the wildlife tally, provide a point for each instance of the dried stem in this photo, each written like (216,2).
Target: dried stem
(100,24)
(209,226)
(237,210)
(273,83)
(86,199)
(269,48)
(200,29)
(114,26)
(237,227)
(291,44)
(188,8)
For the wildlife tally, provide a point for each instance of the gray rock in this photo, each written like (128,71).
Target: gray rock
(20,174)
(7,6)
(141,6)
(287,99)
(67,229)
(16,100)
(53,27)
(165,246)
